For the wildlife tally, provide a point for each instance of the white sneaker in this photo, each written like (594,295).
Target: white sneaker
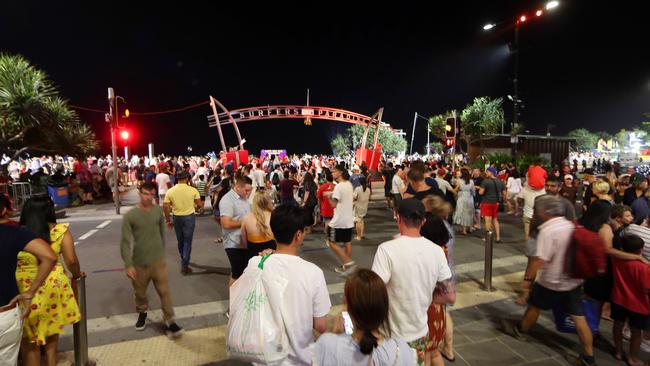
(626,333)
(645,346)
(348,269)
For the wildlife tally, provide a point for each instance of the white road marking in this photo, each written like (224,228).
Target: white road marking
(114,322)
(67,220)
(104,224)
(88,234)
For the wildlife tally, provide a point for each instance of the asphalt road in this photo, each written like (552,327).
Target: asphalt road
(97,234)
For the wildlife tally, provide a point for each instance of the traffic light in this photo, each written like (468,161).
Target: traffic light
(449,142)
(125,135)
(450,127)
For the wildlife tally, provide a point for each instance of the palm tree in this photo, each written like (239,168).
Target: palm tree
(33,116)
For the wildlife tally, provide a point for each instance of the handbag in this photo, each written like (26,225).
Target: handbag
(444,293)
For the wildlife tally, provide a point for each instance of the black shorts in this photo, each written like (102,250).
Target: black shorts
(86,187)
(238,259)
(544,299)
(600,288)
(339,235)
(636,320)
(255,248)
(397,198)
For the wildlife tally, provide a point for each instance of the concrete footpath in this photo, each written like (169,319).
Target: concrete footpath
(478,315)
(479,338)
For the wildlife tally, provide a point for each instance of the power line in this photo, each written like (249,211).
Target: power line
(172,110)
(146,113)
(88,109)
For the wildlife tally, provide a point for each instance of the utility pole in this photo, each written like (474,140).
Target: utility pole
(453,149)
(515,103)
(308,119)
(112,119)
(415,119)
(428,139)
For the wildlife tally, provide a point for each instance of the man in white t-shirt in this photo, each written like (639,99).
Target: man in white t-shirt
(412,267)
(528,195)
(339,229)
(306,300)
(547,277)
(164,183)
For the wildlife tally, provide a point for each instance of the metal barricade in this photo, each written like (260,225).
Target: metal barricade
(81,328)
(487,269)
(20,193)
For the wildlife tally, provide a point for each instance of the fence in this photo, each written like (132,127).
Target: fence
(19,192)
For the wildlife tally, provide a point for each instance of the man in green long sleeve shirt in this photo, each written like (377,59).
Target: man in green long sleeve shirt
(144,226)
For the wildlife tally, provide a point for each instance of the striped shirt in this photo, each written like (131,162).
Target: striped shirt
(643,233)
(200,186)
(552,242)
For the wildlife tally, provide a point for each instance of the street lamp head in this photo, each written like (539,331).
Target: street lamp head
(522,19)
(539,13)
(488,26)
(552,5)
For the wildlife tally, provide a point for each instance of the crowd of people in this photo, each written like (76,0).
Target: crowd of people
(398,308)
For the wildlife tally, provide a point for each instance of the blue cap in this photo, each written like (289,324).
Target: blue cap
(492,170)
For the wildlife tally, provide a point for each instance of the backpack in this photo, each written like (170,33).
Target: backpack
(586,256)
(275,179)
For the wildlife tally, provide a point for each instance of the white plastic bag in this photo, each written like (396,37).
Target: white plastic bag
(256,330)
(11,327)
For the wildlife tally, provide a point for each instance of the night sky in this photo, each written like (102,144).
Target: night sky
(586,64)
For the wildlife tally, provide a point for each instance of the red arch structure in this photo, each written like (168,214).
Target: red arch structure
(222,116)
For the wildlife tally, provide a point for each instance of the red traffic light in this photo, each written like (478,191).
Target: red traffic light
(449,142)
(125,135)
(522,18)
(539,13)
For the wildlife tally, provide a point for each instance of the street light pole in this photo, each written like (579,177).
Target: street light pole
(515,81)
(415,119)
(112,118)
(515,102)
(428,139)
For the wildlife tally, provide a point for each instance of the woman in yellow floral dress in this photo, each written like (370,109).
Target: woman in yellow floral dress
(54,305)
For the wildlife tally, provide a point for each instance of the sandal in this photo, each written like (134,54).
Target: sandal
(447,357)
(218,241)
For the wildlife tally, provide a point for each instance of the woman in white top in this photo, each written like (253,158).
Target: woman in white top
(361,199)
(200,171)
(364,344)
(398,188)
(513,188)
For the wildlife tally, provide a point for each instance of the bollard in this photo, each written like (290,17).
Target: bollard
(487,272)
(80,328)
